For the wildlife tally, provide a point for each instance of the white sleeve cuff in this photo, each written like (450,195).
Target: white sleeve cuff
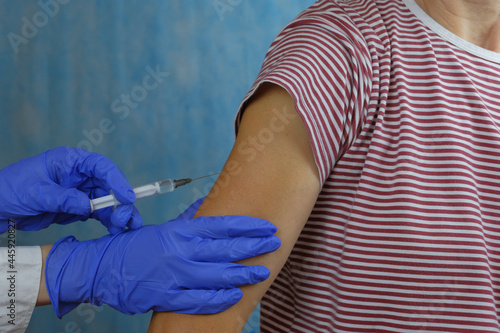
(20,269)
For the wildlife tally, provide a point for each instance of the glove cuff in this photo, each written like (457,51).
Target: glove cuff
(61,251)
(71,270)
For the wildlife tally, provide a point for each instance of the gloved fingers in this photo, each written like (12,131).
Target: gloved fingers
(113,230)
(73,168)
(135,221)
(54,198)
(225,275)
(117,220)
(233,249)
(104,216)
(114,219)
(197,301)
(191,210)
(230,226)
(104,170)
(121,216)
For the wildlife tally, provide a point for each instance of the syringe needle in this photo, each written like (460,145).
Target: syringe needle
(206,176)
(182,182)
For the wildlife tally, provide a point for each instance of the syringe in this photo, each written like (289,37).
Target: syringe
(144,191)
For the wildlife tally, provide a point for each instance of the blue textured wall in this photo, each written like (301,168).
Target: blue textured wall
(67,67)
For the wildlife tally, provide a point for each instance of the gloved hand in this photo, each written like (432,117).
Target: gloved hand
(183,265)
(55,187)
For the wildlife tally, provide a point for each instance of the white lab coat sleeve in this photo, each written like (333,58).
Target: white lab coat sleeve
(20,269)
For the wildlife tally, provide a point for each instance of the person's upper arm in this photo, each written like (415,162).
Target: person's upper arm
(305,109)
(271,174)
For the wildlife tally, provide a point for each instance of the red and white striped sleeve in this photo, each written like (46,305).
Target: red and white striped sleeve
(321,59)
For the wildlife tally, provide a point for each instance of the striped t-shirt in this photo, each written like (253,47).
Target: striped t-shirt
(404,122)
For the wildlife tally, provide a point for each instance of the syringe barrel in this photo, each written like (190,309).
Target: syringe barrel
(154,189)
(146,191)
(140,192)
(166,186)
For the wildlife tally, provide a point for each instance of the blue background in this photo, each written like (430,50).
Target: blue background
(63,64)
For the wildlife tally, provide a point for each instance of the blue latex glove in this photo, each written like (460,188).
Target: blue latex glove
(183,265)
(55,187)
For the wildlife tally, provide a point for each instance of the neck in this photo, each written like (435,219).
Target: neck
(476,21)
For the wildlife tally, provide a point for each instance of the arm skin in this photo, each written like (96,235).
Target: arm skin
(43,295)
(273,179)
